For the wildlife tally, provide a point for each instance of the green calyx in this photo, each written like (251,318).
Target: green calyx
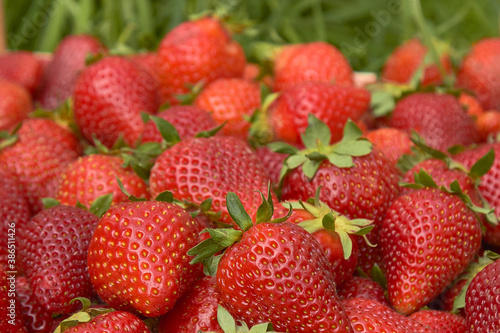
(229,325)
(99,206)
(316,139)
(83,316)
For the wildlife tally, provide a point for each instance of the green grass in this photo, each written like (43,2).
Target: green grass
(365,30)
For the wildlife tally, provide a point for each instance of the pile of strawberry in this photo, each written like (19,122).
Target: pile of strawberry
(188,190)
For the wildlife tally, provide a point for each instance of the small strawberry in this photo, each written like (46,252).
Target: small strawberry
(22,68)
(392,142)
(194,52)
(488,125)
(471,104)
(333,104)
(358,286)
(138,258)
(67,63)
(11,319)
(15,104)
(440,321)
(92,176)
(109,97)
(316,61)
(439,119)
(230,100)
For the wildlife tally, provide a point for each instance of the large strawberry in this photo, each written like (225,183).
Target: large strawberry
(333,104)
(197,169)
(194,52)
(358,286)
(316,61)
(109,97)
(62,72)
(10,310)
(23,68)
(15,104)
(138,256)
(440,321)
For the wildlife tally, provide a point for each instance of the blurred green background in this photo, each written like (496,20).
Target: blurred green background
(365,30)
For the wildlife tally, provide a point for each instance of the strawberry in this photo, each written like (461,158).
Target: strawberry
(54,246)
(10,311)
(316,61)
(423,248)
(15,104)
(109,97)
(35,161)
(479,70)
(488,125)
(445,301)
(358,286)
(367,315)
(195,311)
(22,68)
(138,258)
(471,104)
(482,301)
(67,63)
(188,121)
(111,322)
(148,61)
(439,321)
(197,169)
(406,59)
(231,100)
(392,142)
(92,176)
(272,162)
(194,52)
(333,104)
(439,119)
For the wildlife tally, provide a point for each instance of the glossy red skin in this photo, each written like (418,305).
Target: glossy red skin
(92,176)
(332,104)
(196,311)
(440,321)
(488,125)
(188,121)
(489,187)
(423,246)
(273,268)
(36,161)
(15,104)
(22,68)
(439,119)
(112,322)
(479,72)
(363,191)
(405,61)
(358,286)
(197,51)
(272,161)
(367,315)
(53,248)
(482,301)
(231,100)
(316,61)
(197,169)
(138,256)
(35,316)
(67,63)
(109,97)
(392,142)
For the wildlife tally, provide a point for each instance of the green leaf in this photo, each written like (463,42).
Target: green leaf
(383,102)
(259,328)
(316,156)
(167,130)
(360,147)
(282,148)
(265,210)
(211,264)
(9,141)
(329,222)
(483,165)
(420,143)
(316,131)
(378,276)
(459,302)
(225,320)
(351,132)
(101,204)
(237,212)
(346,242)
(145,117)
(411,185)
(365,230)
(85,302)
(50,202)
(165,196)
(225,237)
(206,205)
(295,161)
(210,133)
(425,179)
(310,167)
(80,205)
(342,161)
(204,250)
(132,198)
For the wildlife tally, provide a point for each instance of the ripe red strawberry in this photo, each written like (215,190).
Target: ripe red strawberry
(197,169)
(358,286)
(392,142)
(92,176)
(445,301)
(423,247)
(15,104)
(406,59)
(471,104)
(272,161)
(67,63)
(439,119)
(316,61)
(188,121)
(195,311)
(479,71)
(138,256)
(482,301)
(22,68)
(367,315)
(231,100)
(148,61)
(333,104)
(488,125)
(109,97)
(111,322)
(53,248)
(10,310)
(36,161)
(440,321)
(194,52)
